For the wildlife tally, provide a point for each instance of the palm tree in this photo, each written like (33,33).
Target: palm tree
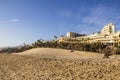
(24,44)
(55,37)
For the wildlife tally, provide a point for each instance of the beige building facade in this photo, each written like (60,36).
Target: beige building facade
(107,35)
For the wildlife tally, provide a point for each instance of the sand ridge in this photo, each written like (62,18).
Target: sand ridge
(50,52)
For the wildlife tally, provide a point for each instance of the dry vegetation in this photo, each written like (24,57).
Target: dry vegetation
(92,47)
(29,67)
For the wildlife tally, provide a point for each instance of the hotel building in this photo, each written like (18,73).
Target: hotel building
(107,35)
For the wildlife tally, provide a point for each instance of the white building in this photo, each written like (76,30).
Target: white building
(107,35)
(108,29)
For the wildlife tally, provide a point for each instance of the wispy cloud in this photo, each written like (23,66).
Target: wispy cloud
(14,20)
(100,15)
(97,15)
(118,17)
(69,13)
(92,19)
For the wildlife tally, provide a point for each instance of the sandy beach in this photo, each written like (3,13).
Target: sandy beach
(58,64)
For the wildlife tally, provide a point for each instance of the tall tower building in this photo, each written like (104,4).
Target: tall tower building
(108,29)
(111,28)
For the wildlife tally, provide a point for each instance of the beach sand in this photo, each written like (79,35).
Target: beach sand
(58,64)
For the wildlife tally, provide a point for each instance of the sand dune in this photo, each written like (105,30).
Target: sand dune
(62,53)
(58,64)
(51,52)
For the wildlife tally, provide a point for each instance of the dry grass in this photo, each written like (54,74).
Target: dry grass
(41,67)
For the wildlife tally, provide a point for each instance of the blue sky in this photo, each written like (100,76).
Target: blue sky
(25,21)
